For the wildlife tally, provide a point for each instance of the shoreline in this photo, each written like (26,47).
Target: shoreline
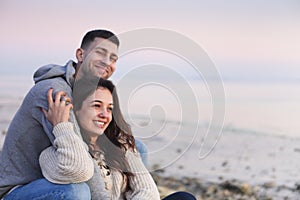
(226,189)
(241,166)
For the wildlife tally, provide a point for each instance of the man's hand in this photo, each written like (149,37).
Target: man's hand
(59,109)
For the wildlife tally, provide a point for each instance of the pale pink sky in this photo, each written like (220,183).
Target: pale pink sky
(241,37)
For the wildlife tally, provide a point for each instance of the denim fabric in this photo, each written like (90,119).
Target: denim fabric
(143,151)
(42,189)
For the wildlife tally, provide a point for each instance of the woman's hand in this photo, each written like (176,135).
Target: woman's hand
(59,109)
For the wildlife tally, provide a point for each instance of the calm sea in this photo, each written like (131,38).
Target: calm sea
(260,108)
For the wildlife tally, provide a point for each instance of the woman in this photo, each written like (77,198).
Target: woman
(109,139)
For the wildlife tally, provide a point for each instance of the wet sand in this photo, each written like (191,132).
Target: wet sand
(241,166)
(255,167)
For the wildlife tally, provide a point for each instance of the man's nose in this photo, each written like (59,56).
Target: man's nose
(106,59)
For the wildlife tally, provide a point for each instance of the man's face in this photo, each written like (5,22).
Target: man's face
(99,59)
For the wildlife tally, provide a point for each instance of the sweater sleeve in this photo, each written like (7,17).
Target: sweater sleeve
(142,183)
(68,160)
(97,185)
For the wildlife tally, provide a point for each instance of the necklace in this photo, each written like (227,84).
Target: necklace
(98,155)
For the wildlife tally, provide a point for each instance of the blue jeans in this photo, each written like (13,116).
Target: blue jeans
(42,189)
(143,151)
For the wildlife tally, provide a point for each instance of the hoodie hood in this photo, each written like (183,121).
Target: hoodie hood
(51,71)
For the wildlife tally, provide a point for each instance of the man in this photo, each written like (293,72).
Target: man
(30,133)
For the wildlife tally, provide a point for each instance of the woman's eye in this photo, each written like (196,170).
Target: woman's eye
(110,108)
(97,105)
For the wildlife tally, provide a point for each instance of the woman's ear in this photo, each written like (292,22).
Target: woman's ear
(79,55)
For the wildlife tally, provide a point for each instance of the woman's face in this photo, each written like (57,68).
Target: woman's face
(96,112)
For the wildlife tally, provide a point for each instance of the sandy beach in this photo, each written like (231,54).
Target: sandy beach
(241,166)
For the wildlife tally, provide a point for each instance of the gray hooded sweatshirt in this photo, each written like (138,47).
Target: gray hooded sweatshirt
(30,132)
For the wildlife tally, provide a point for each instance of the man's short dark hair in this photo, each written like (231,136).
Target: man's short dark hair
(98,33)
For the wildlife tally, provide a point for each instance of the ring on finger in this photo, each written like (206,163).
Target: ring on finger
(63,98)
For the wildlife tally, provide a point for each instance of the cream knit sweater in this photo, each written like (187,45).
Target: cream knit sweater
(68,161)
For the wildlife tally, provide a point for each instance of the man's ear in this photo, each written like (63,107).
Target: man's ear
(79,55)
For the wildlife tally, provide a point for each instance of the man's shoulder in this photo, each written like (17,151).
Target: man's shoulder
(53,71)
(38,93)
(57,83)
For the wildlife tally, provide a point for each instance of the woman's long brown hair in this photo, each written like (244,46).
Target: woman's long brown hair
(117,138)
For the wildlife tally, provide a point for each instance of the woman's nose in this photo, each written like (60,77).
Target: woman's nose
(103,113)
